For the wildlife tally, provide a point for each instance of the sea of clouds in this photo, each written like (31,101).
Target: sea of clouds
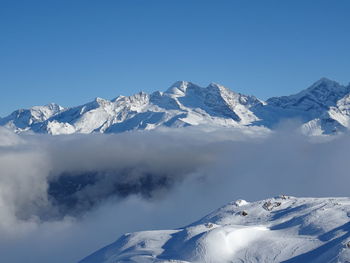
(63,197)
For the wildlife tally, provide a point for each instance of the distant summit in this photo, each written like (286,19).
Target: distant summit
(323,108)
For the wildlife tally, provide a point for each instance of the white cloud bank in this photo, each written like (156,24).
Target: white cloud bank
(146,180)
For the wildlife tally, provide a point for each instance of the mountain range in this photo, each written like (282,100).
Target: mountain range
(281,229)
(323,108)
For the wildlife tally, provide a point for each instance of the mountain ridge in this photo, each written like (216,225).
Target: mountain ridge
(322,108)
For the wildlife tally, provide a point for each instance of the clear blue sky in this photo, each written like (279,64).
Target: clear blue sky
(70,51)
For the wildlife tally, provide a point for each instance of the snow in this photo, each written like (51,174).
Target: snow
(323,108)
(56,128)
(24,119)
(222,243)
(318,107)
(241,202)
(280,229)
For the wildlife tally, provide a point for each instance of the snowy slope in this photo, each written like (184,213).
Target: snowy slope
(322,108)
(281,229)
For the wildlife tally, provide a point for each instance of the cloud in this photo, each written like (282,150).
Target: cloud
(62,197)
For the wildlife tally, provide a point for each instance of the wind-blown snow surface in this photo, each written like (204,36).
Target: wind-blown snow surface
(323,108)
(281,229)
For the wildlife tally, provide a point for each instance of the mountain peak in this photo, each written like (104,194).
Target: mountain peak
(100,100)
(323,93)
(53,105)
(49,109)
(179,87)
(179,83)
(325,79)
(214,84)
(219,88)
(185,103)
(325,83)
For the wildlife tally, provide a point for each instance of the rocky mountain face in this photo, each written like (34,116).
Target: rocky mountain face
(322,108)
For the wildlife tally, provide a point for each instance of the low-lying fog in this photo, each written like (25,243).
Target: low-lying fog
(63,197)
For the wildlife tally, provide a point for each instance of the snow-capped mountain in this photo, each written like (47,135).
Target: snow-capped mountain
(322,108)
(183,104)
(281,229)
(23,119)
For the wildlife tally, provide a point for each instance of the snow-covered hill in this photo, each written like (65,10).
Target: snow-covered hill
(323,108)
(281,229)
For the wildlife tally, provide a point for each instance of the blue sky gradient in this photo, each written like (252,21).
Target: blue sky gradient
(69,52)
